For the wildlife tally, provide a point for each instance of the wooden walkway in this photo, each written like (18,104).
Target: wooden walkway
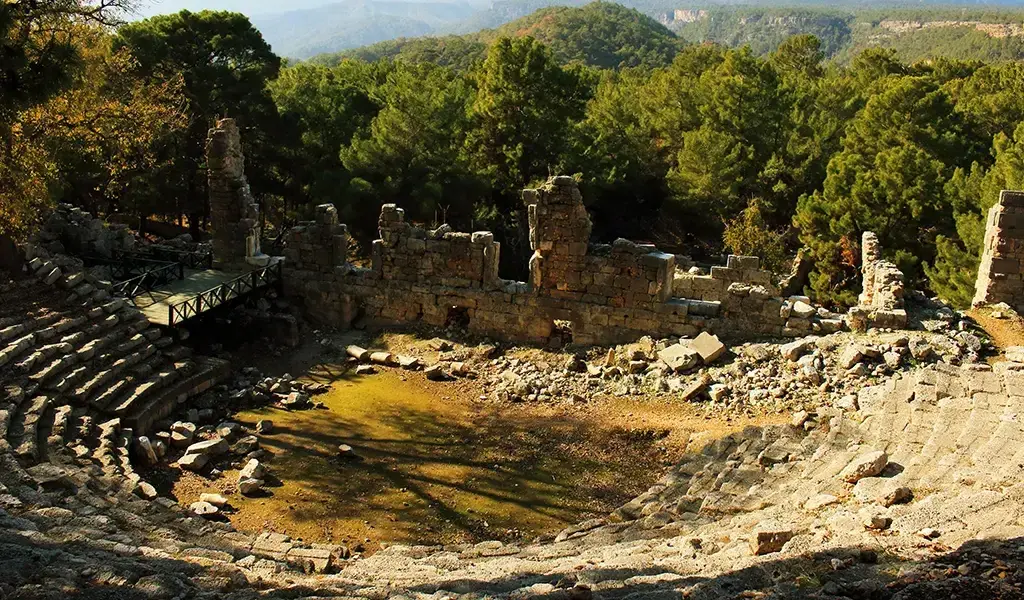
(156,304)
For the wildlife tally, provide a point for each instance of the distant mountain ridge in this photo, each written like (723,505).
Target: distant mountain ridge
(353,24)
(601,34)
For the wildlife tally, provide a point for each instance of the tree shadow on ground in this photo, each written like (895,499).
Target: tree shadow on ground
(455,468)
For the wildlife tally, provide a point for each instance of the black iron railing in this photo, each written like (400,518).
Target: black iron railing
(192,259)
(149,280)
(229,290)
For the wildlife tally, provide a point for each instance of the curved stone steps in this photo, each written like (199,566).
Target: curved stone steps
(126,374)
(948,426)
(109,367)
(151,386)
(23,432)
(60,350)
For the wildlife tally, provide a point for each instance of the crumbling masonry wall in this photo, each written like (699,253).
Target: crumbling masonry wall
(608,293)
(234,214)
(408,253)
(881,300)
(1001,272)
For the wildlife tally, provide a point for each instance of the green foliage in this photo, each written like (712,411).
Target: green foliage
(748,234)
(225,65)
(76,122)
(324,108)
(763,29)
(412,151)
(522,111)
(457,52)
(973,192)
(601,34)
(621,166)
(888,178)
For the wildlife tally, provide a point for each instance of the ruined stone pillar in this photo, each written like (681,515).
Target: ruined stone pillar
(559,234)
(880,303)
(234,214)
(1001,272)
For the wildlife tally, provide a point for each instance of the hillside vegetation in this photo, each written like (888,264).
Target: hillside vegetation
(600,34)
(608,35)
(701,148)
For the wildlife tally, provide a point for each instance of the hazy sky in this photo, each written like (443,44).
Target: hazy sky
(148,8)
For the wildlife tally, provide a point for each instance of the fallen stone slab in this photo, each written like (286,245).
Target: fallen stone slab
(252,470)
(316,560)
(214,499)
(708,346)
(1015,354)
(209,447)
(365,370)
(435,373)
(803,310)
(295,401)
(768,542)
(228,429)
(886,492)
(816,502)
(877,522)
(851,355)
(250,487)
(679,357)
(408,362)
(145,490)
(182,434)
(864,465)
(794,350)
(694,388)
(193,462)
(246,445)
(264,426)
(204,509)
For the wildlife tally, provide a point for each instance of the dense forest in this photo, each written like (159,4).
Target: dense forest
(600,34)
(699,147)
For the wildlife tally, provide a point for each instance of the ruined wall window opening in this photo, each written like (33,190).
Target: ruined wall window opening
(561,334)
(457,318)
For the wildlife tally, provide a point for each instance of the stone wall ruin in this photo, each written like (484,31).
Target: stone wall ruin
(1001,272)
(607,293)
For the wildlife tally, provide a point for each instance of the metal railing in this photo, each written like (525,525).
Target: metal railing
(192,259)
(149,280)
(229,290)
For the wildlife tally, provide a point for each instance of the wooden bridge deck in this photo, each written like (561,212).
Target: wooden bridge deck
(156,304)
